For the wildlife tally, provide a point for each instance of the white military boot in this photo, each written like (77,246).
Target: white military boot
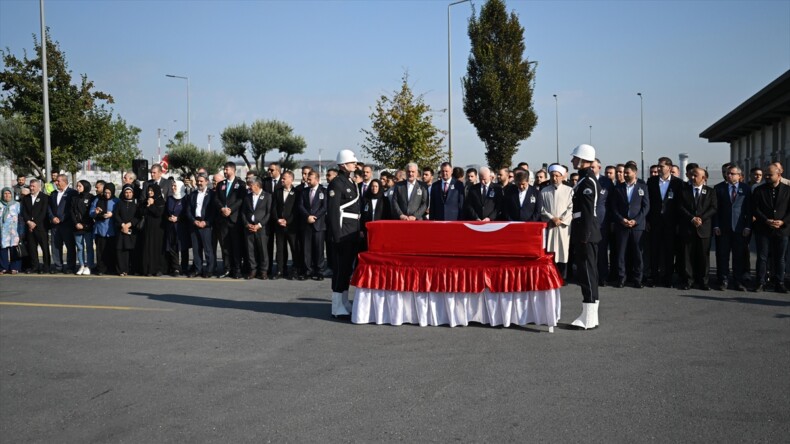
(346,302)
(585,320)
(595,314)
(338,307)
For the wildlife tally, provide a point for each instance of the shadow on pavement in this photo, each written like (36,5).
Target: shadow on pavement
(294,309)
(742,300)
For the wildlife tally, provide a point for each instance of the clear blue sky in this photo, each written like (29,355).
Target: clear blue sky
(321,65)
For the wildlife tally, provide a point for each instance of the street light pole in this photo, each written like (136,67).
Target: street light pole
(642,131)
(45,88)
(590,134)
(557,125)
(450,88)
(189,130)
(159,143)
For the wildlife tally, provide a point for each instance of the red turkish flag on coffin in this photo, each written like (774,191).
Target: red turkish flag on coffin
(435,238)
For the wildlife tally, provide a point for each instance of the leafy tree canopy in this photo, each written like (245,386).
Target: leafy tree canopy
(499,83)
(81,124)
(252,142)
(403,131)
(188,158)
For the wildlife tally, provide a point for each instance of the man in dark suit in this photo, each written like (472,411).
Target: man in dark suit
(367,176)
(200,214)
(229,197)
(273,181)
(484,200)
(662,221)
(629,207)
(62,227)
(696,212)
(35,208)
(605,268)
(771,204)
(732,227)
(525,203)
(410,198)
(447,201)
(255,219)
(156,178)
(312,211)
(286,223)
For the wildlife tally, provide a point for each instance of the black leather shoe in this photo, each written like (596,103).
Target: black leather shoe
(780,288)
(619,284)
(684,287)
(602,283)
(740,287)
(722,286)
(758,288)
(263,276)
(317,277)
(301,277)
(224,275)
(639,284)
(276,276)
(251,275)
(704,287)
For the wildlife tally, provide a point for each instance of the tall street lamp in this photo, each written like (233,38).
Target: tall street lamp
(557,125)
(449,87)
(590,134)
(189,130)
(642,131)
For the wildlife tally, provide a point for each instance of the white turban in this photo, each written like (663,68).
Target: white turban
(558,168)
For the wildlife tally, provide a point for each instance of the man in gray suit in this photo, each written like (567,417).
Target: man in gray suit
(410,198)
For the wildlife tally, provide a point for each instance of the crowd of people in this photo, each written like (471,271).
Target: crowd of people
(656,232)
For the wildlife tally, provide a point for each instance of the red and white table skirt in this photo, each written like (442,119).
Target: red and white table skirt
(441,290)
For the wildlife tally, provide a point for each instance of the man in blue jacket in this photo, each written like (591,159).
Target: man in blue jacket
(629,206)
(447,196)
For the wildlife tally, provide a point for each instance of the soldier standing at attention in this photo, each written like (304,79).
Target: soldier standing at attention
(585,234)
(343,210)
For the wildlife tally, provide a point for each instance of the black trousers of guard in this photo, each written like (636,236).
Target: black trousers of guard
(586,258)
(229,236)
(345,253)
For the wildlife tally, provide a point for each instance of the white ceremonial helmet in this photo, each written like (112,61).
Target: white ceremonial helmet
(346,156)
(584,152)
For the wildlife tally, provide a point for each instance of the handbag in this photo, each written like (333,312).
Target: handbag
(21,250)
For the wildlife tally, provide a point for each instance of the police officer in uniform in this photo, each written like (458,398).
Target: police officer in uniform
(343,210)
(585,234)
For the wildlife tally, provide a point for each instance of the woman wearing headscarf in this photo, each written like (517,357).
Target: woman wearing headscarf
(177,236)
(153,209)
(10,262)
(126,218)
(374,207)
(83,227)
(104,229)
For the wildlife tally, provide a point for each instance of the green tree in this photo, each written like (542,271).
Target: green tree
(260,138)
(15,139)
(188,158)
(122,148)
(80,119)
(499,83)
(402,131)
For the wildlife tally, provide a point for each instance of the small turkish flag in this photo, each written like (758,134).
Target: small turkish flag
(163,163)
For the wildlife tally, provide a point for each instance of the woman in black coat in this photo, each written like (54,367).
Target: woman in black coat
(83,227)
(177,236)
(126,218)
(153,234)
(375,206)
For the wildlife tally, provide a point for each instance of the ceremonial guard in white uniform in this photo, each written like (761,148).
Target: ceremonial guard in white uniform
(343,210)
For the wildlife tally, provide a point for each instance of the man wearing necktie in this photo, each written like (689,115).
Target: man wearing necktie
(698,206)
(312,211)
(410,198)
(484,200)
(732,227)
(448,196)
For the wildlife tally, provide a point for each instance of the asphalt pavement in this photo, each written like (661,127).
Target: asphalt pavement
(144,360)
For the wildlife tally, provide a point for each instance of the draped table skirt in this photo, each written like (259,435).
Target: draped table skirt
(449,290)
(428,308)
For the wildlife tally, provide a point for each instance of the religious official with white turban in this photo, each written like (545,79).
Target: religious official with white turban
(558,213)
